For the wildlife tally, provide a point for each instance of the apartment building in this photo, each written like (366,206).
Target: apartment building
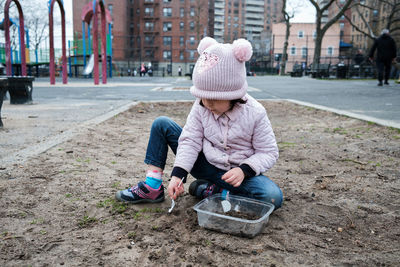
(302,44)
(250,19)
(165,33)
(374,18)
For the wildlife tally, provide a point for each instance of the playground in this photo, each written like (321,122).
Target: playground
(341,199)
(339,175)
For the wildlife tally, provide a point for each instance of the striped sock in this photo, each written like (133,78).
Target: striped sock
(153,179)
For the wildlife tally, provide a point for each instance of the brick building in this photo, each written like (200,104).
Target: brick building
(166,33)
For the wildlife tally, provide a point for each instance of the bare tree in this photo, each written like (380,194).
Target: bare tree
(287,16)
(390,20)
(321,7)
(200,7)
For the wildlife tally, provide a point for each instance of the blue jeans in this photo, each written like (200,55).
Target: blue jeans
(165,132)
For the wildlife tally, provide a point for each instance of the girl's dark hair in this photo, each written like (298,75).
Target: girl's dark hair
(233,102)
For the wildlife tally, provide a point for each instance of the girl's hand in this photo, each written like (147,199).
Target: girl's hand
(173,190)
(234,177)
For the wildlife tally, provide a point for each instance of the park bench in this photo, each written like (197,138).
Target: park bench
(320,71)
(297,71)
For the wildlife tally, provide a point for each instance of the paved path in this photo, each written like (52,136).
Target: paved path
(60,111)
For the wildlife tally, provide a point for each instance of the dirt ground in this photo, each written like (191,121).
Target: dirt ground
(340,177)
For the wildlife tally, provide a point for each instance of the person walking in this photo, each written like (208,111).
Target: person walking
(386,54)
(180,71)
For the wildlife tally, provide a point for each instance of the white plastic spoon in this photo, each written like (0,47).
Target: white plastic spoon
(226,205)
(173,201)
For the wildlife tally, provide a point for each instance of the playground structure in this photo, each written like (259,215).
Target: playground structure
(53,62)
(82,48)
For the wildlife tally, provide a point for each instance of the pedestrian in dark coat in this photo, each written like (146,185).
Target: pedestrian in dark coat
(386,54)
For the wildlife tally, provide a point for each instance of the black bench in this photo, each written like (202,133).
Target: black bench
(320,71)
(297,71)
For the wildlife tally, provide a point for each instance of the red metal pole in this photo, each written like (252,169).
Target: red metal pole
(51,39)
(103,45)
(64,53)
(64,49)
(95,45)
(7,35)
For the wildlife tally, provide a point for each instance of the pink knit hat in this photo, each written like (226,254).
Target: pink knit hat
(220,72)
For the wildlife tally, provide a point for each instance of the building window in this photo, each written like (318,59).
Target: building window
(149,26)
(138,11)
(191,25)
(341,25)
(182,26)
(293,50)
(167,40)
(192,53)
(167,12)
(181,41)
(166,1)
(149,40)
(314,35)
(167,26)
(149,1)
(149,53)
(330,51)
(304,52)
(192,40)
(181,55)
(110,8)
(192,13)
(300,34)
(149,11)
(167,54)
(181,12)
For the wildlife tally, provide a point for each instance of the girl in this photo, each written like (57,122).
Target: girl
(227,141)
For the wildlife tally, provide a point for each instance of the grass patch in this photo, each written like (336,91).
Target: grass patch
(37,221)
(286,144)
(114,205)
(339,130)
(68,195)
(86,221)
(116,185)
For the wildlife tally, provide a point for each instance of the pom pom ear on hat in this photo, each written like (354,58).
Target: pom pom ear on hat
(205,43)
(242,49)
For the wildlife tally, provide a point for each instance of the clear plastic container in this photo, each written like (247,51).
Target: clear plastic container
(210,215)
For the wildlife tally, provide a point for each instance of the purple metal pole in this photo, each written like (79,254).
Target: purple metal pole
(7,35)
(95,45)
(64,50)
(51,40)
(103,45)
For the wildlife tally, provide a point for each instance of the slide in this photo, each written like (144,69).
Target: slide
(89,66)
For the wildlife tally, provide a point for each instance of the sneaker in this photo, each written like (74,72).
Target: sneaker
(380,84)
(386,82)
(202,189)
(141,193)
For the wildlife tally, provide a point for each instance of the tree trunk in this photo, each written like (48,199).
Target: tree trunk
(284,52)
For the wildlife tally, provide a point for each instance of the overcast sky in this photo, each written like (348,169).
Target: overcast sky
(304,11)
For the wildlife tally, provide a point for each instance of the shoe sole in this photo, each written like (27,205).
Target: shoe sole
(193,186)
(143,200)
